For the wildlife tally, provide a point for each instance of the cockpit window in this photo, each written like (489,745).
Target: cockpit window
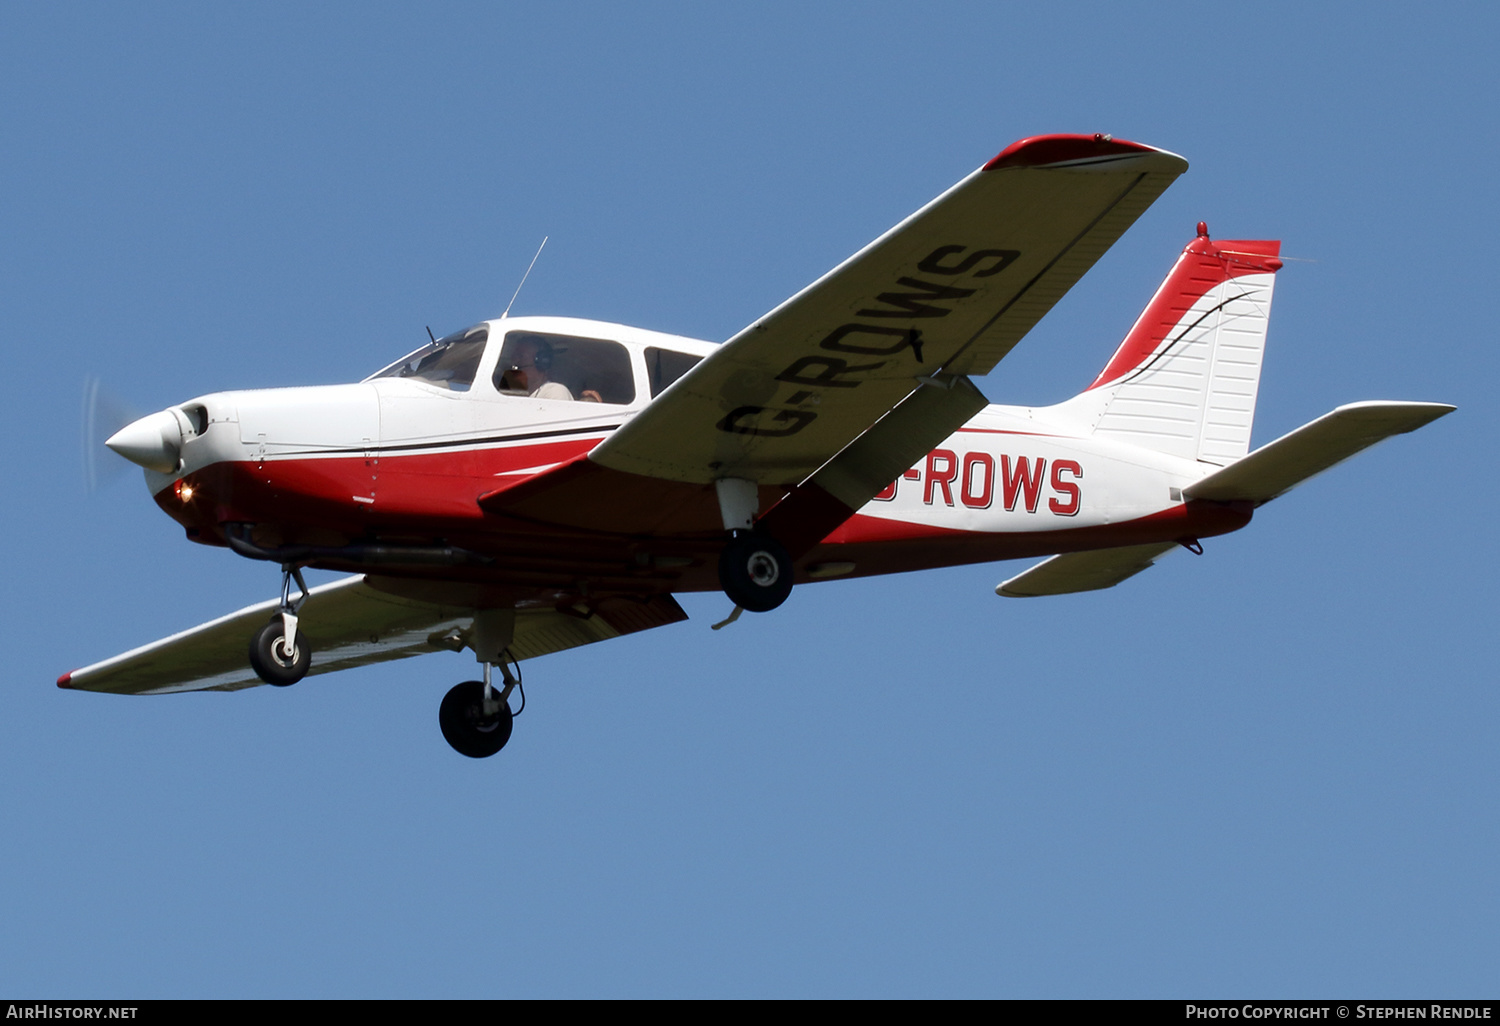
(563,367)
(664,366)
(450,362)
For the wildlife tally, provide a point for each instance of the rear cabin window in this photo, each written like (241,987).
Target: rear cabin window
(663,366)
(564,367)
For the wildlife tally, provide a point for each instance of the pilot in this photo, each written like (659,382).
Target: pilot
(530,371)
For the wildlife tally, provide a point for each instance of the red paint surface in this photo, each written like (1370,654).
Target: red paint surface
(985,464)
(1190,520)
(1039,150)
(940,479)
(1068,488)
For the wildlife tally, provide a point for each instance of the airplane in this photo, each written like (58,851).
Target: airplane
(531,484)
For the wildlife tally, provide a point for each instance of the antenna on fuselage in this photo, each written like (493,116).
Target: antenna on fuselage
(524,277)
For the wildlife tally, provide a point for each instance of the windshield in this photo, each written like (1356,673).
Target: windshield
(450,362)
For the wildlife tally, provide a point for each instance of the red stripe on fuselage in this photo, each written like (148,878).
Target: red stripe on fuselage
(999,431)
(433,495)
(311,499)
(878,546)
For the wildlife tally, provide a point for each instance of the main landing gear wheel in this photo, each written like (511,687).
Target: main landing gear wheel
(755,571)
(270,659)
(466,725)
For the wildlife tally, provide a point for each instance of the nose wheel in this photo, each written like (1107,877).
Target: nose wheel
(278,654)
(271,659)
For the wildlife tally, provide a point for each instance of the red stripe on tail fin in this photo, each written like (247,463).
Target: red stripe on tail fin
(1204,264)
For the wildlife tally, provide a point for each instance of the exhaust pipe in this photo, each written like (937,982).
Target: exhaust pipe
(238,536)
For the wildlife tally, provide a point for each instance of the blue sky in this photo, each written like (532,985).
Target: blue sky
(1270,770)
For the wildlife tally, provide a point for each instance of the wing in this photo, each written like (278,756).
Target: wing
(1083,571)
(946,293)
(352,623)
(949,291)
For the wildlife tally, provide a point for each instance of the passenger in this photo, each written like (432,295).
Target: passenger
(530,371)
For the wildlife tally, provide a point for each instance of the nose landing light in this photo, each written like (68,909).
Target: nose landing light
(154,442)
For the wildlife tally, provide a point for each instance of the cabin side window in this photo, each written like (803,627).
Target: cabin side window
(664,366)
(563,367)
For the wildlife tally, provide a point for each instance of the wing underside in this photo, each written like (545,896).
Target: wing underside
(946,293)
(351,623)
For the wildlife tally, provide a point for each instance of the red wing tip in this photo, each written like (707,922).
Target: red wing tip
(66,680)
(1038,150)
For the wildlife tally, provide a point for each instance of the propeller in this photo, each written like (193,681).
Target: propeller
(104,414)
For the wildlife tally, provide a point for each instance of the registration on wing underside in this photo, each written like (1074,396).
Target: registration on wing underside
(951,289)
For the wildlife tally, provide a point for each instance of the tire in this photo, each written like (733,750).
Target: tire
(271,664)
(755,572)
(464,725)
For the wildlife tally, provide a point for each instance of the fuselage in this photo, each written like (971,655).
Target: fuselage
(402,458)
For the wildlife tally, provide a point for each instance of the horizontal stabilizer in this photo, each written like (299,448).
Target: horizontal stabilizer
(1083,571)
(1280,466)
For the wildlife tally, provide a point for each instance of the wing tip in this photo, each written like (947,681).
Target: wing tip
(1042,150)
(1417,414)
(66,681)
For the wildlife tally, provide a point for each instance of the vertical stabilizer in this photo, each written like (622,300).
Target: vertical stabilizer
(1184,380)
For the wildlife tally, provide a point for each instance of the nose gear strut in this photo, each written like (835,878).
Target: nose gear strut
(277,655)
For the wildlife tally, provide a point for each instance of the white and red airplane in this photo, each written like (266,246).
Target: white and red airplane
(532,484)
